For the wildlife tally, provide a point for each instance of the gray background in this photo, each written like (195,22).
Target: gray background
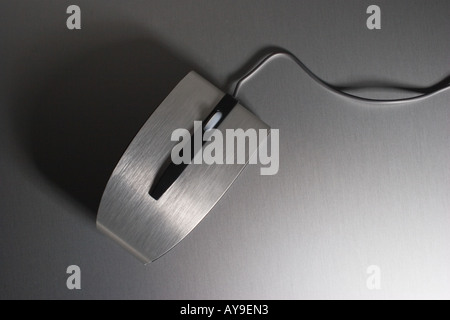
(358,184)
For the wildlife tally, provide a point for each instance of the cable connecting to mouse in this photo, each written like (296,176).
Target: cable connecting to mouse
(284,53)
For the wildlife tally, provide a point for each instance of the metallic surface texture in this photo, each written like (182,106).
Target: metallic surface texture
(149,227)
(359,184)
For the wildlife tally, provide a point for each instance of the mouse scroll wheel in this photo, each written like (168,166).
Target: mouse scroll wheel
(213,120)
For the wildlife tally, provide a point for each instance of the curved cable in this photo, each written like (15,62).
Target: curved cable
(291,56)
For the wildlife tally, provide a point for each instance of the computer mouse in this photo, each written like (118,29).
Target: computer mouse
(151,202)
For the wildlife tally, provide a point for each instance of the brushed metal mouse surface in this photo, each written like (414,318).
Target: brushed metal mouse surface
(147,227)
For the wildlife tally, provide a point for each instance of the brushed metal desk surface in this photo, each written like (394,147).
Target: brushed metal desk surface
(359,184)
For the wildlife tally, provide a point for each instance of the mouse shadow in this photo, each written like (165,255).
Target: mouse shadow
(89,112)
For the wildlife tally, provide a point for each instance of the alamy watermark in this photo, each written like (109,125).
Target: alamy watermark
(373,281)
(73,282)
(236,146)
